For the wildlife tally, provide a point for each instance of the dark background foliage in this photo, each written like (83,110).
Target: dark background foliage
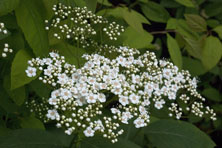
(189,32)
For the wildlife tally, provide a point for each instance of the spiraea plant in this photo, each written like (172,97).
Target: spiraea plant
(130,84)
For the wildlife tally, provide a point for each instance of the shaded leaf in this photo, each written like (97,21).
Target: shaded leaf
(174,134)
(212,94)
(18,95)
(31,122)
(195,67)
(196,22)
(91,5)
(7,6)
(100,142)
(155,12)
(174,51)
(212,52)
(32,25)
(104,2)
(30,138)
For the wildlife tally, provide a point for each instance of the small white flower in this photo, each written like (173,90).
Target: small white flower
(65,94)
(123,100)
(139,122)
(102,98)
(52,114)
(52,101)
(167,73)
(115,111)
(159,104)
(91,98)
(89,132)
(134,98)
(31,71)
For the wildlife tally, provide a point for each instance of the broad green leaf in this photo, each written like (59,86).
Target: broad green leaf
(213,23)
(135,39)
(18,95)
(7,6)
(31,122)
(100,142)
(213,9)
(212,94)
(155,12)
(104,2)
(30,138)
(212,52)
(6,103)
(174,51)
(196,22)
(195,67)
(73,55)
(32,25)
(169,4)
(177,134)
(182,28)
(134,19)
(194,46)
(48,6)
(218,30)
(91,5)
(40,88)
(187,3)
(19,65)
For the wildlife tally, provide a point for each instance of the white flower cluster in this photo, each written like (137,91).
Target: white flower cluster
(2,28)
(6,50)
(81,25)
(132,82)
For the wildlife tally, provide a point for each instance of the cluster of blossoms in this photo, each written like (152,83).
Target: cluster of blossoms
(2,28)
(134,83)
(6,50)
(81,26)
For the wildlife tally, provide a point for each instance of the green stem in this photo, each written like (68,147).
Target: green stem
(78,54)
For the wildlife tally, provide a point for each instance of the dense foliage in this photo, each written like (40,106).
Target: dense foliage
(189,32)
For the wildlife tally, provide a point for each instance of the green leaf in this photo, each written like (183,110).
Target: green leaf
(177,134)
(212,52)
(212,94)
(48,6)
(174,51)
(91,5)
(194,46)
(100,142)
(155,12)
(169,4)
(195,67)
(218,30)
(19,65)
(142,40)
(18,95)
(187,3)
(73,55)
(212,9)
(7,6)
(30,138)
(104,2)
(196,22)
(31,122)
(32,25)
(134,19)
(40,88)
(213,23)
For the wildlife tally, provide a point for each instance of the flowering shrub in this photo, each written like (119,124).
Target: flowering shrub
(137,80)
(105,73)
